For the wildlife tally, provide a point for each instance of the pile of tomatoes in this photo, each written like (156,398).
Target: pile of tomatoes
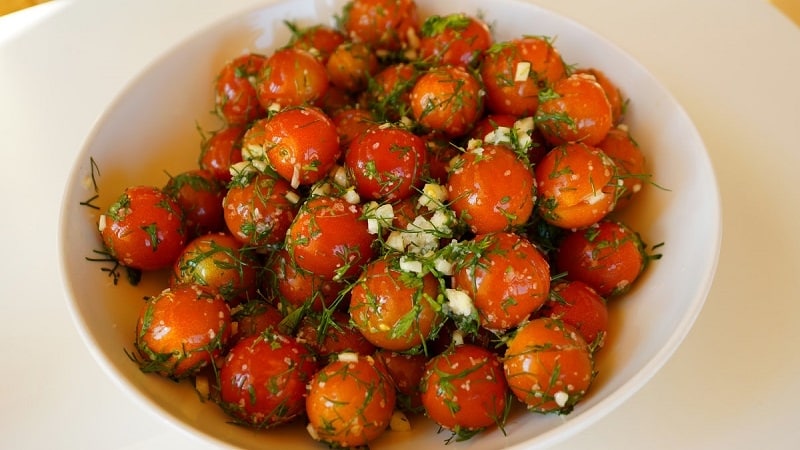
(397,214)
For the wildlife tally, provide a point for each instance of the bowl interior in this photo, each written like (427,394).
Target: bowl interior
(151,129)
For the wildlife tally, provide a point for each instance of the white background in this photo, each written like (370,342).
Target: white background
(733,64)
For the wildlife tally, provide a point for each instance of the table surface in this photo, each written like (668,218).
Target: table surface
(733,65)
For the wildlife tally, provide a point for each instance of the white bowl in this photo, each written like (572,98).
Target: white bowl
(150,128)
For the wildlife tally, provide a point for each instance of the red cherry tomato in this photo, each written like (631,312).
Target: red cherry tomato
(291,77)
(351,65)
(293,287)
(576,185)
(454,39)
(506,277)
(630,161)
(548,366)
(351,123)
(236,98)
(259,211)
(199,194)
(386,163)
(577,304)
(263,379)
(329,238)
(491,189)
(389,93)
(612,92)
(405,371)
(331,334)
(608,256)
(319,40)
(255,317)
(222,150)
(181,330)
(447,99)
(464,390)
(143,229)
(350,402)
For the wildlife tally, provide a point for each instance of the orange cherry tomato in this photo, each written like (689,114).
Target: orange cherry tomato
(548,366)
(506,276)
(350,402)
(608,256)
(612,92)
(394,310)
(387,25)
(513,73)
(218,262)
(351,65)
(351,123)
(481,198)
(576,110)
(447,99)
(181,330)
(291,77)
(630,161)
(293,287)
(576,185)
(389,91)
(319,40)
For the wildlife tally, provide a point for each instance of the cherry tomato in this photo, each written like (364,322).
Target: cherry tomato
(351,123)
(393,309)
(181,330)
(143,229)
(259,211)
(263,379)
(608,256)
(350,402)
(291,77)
(630,161)
(479,195)
(319,40)
(222,150)
(331,334)
(217,261)
(612,92)
(405,371)
(329,238)
(548,366)
(301,144)
(440,153)
(386,163)
(351,65)
(465,391)
(513,73)
(388,25)
(577,304)
(390,89)
(507,278)
(295,288)
(235,93)
(576,110)
(255,317)
(454,39)
(447,99)
(199,194)
(576,185)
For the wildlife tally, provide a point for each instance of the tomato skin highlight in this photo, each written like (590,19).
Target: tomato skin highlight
(548,366)
(482,193)
(350,402)
(181,330)
(144,228)
(464,390)
(263,379)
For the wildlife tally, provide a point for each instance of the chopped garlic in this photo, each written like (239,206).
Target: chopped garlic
(295,183)
(443,266)
(500,135)
(348,357)
(292,197)
(433,196)
(395,241)
(399,422)
(459,302)
(339,175)
(522,130)
(561,398)
(351,196)
(101,223)
(409,265)
(522,71)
